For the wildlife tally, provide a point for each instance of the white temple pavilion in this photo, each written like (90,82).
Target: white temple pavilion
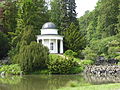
(49,37)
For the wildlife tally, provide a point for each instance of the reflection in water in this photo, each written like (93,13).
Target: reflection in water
(10,80)
(96,79)
(43,82)
(5,82)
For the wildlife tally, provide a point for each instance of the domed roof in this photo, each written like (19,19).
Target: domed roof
(49,25)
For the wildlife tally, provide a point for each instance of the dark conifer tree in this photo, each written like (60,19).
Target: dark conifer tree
(63,13)
(68,14)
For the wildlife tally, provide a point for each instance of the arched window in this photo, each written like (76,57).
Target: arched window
(51,46)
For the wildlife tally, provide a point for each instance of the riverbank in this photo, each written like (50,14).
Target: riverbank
(115,86)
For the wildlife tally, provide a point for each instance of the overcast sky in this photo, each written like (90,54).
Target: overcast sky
(83,5)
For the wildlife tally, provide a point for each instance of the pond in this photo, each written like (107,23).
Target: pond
(50,82)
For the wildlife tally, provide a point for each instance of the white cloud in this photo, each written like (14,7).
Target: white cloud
(83,5)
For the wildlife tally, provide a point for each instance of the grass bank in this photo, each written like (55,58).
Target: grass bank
(95,87)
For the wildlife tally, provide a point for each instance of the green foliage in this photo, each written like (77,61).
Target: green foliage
(118,57)
(68,14)
(4,45)
(24,38)
(113,51)
(77,69)
(102,22)
(87,24)
(87,62)
(32,57)
(63,14)
(108,46)
(107,19)
(89,54)
(70,53)
(113,48)
(44,71)
(55,13)
(101,46)
(11,69)
(61,65)
(31,12)
(73,39)
(9,15)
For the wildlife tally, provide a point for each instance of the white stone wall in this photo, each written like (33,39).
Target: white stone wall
(47,42)
(49,31)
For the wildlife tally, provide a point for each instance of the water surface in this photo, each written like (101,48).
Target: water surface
(49,82)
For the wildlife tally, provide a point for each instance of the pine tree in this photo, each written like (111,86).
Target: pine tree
(63,13)
(68,14)
(73,38)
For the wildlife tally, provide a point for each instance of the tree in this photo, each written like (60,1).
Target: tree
(107,19)
(4,45)
(31,12)
(31,15)
(119,20)
(63,13)
(89,54)
(10,15)
(32,57)
(102,22)
(73,39)
(113,49)
(55,13)
(24,38)
(68,14)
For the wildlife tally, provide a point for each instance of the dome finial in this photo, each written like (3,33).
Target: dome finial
(49,25)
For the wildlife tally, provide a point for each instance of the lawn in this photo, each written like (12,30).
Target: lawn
(95,87)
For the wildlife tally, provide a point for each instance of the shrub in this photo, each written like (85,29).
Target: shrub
(113,49)
(44,71)
(61,65)
(89,54)
(101,46)
(11,69)
(32,57)
(87,62)
(77,69)
(70,53)
(118,57)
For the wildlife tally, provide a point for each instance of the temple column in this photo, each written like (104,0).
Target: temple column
(49,43)
(56,46)
(61,46)
(43,41)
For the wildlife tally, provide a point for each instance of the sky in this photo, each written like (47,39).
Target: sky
(84,5)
